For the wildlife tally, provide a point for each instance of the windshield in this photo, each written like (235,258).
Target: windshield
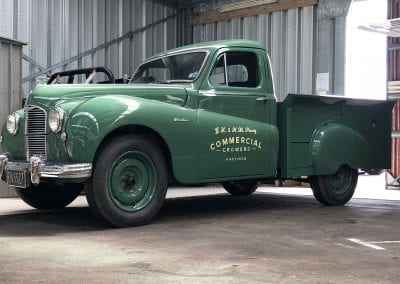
(174,68)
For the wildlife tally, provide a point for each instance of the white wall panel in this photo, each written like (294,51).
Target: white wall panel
(307,50)
(10,88)
(288,37)
(277,52)
(170,29)
(292,50)
(57,30)
(137,22)
(7,18)
(87,38)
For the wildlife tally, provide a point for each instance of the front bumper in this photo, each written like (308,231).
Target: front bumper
(38,169)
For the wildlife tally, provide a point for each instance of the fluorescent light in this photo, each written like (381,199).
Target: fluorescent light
(390,28)
(244,4)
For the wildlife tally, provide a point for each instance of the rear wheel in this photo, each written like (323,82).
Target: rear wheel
(241,187)
(336,189)
(129,182)
(49,195)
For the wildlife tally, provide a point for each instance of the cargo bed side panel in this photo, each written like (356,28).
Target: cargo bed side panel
(318,134)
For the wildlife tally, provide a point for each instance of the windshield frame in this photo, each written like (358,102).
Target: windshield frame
(196,50)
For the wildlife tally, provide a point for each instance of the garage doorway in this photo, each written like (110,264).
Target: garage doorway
(365,51)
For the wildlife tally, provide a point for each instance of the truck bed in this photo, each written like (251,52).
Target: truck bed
(306,121)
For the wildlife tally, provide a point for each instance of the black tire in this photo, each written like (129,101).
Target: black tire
(314,183)
(336,189)
(48,196)
(129,182)
(240,187)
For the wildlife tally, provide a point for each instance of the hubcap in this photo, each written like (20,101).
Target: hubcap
(340,181)
(132,181)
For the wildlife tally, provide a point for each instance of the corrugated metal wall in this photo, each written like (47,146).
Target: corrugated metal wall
(57,30)
(288,37)
(10,88)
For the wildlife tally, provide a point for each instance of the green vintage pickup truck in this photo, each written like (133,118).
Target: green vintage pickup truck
(204,113)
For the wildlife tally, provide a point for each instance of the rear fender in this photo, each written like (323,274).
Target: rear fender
(334,144)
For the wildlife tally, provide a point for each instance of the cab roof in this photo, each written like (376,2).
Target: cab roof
(211,46)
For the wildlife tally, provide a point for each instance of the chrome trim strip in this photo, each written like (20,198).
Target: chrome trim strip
(40,169)
(71,171)
(35,164)
(3,164)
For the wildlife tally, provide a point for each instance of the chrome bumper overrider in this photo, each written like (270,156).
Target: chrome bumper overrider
(40,169)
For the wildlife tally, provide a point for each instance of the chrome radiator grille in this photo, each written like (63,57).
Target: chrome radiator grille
(35,130)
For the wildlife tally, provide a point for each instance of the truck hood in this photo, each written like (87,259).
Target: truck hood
(49,95)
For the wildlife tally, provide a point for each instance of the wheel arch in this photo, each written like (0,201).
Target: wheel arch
(334,144)
(140,130)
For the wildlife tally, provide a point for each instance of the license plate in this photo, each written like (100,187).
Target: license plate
(16,178)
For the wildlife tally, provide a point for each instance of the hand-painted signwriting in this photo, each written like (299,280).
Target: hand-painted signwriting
(240,142)
(223,129)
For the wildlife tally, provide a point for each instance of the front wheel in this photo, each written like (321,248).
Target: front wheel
(336,189)
(241,187)
(49,196)
(129,182)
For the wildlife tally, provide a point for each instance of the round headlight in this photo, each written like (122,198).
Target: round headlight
(13,123)
(56,116)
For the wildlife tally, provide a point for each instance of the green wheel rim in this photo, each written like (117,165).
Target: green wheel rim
(132,181)
(340,181)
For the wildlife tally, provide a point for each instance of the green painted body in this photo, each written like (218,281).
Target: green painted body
(318,134)
(217,133)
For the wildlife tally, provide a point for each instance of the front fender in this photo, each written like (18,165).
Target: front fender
(95,119)
(334,145)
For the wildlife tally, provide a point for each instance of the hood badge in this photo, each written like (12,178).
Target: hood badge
(181,119)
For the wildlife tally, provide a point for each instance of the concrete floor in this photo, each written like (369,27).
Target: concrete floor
(276,235)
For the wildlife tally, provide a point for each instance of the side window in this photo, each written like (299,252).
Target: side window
(241,70)
(159,73)
(217,76)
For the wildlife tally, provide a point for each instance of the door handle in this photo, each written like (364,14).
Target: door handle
(263,99)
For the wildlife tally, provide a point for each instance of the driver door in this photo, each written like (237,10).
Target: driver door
(234,129)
